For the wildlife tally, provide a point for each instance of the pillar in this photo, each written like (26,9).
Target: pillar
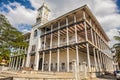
(87,45)
(14,59)
(58,50)
(43,61)
(58,59)
(50,50)
(28,60)
(36,61)
(19,63)
(92,36)
(16,66)
(88,57)
(101,62)
(10,62)
(76,40)
(95,60)
(95,39)
(44,52)
(23,61)
(98,57)
(67,44)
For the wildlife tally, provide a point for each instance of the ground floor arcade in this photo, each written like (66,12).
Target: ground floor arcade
(17,62)
(61,59)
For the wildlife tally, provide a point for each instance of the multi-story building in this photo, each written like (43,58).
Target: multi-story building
(75,36)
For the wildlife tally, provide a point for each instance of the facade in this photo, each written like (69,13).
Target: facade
(75,36)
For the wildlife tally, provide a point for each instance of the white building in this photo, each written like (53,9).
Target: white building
(76,35)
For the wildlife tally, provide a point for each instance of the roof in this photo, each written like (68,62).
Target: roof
(45,6)
(87,10)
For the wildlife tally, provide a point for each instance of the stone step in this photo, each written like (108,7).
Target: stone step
(38,74)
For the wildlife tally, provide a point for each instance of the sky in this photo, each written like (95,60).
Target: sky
(22,13)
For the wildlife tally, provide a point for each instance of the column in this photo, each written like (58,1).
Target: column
(76,40)
(95,39)
(67,44)
(10,62)
(102,55)
(106,63)
(98,60)
(43,51)
(13,65)
(50,50)
(36,60)
(87,45)
(28,60)
(101,61)
(43,61)
(100,43)
(16,66)
(95,60)
(92,35)
(58,50)
(58,60)
(19,63)
(104,58)
(88,57)
(23,61)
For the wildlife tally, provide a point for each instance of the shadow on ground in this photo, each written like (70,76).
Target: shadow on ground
(107,77)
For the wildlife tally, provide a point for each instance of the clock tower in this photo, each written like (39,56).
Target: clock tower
(43,13)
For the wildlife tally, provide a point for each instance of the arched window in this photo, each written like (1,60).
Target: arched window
(35,33)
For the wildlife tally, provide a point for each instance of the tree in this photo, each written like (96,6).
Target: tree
(10,38)
(117,47)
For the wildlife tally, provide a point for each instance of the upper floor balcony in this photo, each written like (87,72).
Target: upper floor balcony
(47,45)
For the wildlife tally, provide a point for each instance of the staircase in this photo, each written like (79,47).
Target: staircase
(37,75)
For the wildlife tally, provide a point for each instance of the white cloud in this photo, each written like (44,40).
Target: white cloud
(111,33)
(19,15)
(105,10)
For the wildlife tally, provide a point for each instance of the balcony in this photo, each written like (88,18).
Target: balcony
(71,42)
(61,27)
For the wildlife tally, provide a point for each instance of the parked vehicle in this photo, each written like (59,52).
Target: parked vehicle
(117,74)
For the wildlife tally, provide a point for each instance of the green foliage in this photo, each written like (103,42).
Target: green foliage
(117,47)
(10,38)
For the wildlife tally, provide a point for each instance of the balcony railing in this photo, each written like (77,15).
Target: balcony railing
(70,23)
(71,42)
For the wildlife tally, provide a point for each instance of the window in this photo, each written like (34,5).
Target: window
(33,48)
(70,63)
(35,33)
(63,66)
(51,66)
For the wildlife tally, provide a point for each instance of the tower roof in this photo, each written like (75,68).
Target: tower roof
(45,6)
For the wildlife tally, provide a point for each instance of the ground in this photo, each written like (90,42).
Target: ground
(50,75)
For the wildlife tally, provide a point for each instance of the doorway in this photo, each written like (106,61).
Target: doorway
(40,64)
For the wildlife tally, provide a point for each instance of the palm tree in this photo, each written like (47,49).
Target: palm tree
(117,47)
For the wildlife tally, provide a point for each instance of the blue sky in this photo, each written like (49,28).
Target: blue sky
(22,13)
(25,3)
(118,4)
